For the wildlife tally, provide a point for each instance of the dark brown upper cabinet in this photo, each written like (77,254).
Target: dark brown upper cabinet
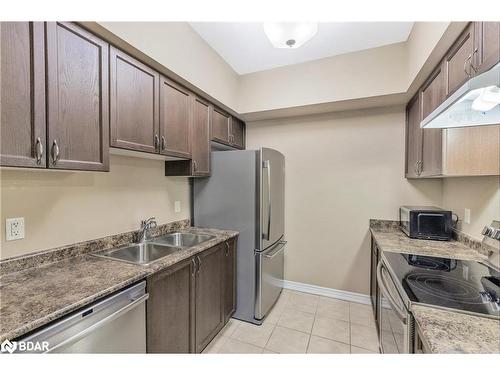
(134,94)
(201,138)
(458,61)
(77,98)
(433,91)
(237,136)
(486,46)
(432,95)
(227,130)
(170,309)
(199,164)
(413,138)
(229,279)
(23,142)
(221,123)
(209,292)
(175,117)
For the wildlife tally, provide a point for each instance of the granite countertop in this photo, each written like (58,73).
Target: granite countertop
(394,240)
(444,331)
(35,296)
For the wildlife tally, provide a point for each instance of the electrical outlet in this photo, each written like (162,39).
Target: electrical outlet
(14,229)
(177,206)
(467,216)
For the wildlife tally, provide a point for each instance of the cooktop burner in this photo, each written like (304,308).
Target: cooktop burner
(451,283)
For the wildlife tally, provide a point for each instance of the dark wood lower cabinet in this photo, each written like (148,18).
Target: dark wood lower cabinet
(170,309)
(209,295)
(190,302)
(229,279)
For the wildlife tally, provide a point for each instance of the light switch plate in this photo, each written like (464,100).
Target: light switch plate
(177,206)
(467,216)
(14,229)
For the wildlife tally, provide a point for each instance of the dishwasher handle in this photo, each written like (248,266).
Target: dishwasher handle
(385,292)
(134,303)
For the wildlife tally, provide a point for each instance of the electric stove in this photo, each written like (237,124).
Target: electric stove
(465,285)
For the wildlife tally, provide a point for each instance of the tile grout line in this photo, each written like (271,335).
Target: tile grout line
(314,320)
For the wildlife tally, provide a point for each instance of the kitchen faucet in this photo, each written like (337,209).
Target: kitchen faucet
(145,226)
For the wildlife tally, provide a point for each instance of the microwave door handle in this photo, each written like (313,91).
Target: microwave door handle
(267,165)
(401,314)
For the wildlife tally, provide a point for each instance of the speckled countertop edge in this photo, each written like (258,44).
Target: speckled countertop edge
(19,323)
(390,238)
(449,332)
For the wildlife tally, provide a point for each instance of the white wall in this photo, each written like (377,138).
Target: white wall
(61,208)
(341,170)
(368,73)
(480,194)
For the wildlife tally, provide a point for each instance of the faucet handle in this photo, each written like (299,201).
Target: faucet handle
(149,223)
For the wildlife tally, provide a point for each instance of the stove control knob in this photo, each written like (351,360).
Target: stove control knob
(496,234)
(486,231)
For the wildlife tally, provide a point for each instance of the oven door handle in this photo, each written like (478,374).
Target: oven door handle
(385,292)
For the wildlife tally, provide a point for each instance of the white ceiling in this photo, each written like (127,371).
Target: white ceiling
(245,47)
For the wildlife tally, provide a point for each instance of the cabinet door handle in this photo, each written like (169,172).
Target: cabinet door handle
(199,264)
(163,143)
(474,54)
(55,152)
(195,167)
(416,168)
(157,142)
(38,151)
(467,60)
(227,248)
(193,262)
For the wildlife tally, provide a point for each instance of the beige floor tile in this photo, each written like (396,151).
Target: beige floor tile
(231,346)
(324,346)
(285,340)
(333,308)
(215,345)
(253,334)
(230,327)
(303,302)
(296,319)
(333,329)
(274,315)
(267,351)
(361,314)
(356,350)
(364,337)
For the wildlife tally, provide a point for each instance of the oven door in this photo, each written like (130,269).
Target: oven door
(396,327)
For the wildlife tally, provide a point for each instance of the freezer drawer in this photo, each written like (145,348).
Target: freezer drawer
(269,274)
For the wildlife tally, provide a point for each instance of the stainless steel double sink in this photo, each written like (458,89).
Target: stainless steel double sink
(148,252)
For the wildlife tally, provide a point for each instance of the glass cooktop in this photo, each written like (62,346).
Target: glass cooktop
(451,283)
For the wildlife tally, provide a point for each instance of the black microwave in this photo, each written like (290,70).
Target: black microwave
(426,222)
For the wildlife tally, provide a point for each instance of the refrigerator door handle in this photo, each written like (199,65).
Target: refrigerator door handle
(279,248)
(267,165)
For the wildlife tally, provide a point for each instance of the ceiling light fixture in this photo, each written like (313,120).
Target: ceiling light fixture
(290,34)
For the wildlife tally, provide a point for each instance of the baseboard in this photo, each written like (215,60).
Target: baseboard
(327,292)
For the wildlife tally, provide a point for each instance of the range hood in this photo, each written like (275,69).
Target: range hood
(475,103)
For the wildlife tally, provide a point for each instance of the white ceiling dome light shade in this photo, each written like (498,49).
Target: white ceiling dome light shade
(290,34)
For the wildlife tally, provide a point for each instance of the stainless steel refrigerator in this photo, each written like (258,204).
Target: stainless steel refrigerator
(245,192)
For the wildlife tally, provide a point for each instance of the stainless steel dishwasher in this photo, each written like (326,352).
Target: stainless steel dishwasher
(116,324)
